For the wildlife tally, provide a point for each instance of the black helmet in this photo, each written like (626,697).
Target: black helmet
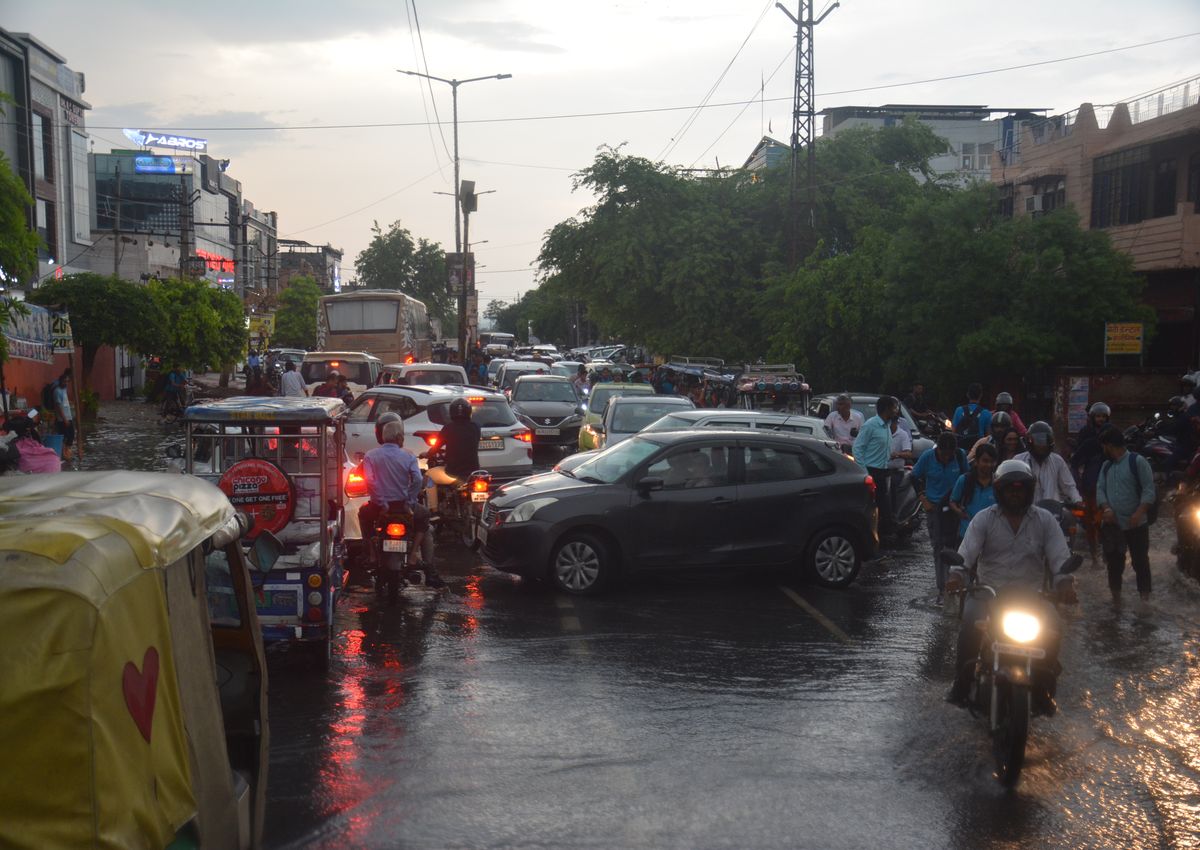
(1099,409)
(460,410)
(1003,398)
(1014,473)
(1176,404)
(1000,419)
(381,422)
(1040,434)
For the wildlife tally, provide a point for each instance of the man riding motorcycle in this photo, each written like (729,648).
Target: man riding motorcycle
(395,482)
(1004,402)
(1052,476)
(460,436)
(1011,545)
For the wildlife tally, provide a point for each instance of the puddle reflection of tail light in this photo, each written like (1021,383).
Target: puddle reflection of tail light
(356,483)
(395,529)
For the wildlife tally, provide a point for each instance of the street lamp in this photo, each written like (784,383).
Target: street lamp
(458,249)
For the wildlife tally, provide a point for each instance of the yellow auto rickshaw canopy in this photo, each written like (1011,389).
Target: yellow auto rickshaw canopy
(91,715)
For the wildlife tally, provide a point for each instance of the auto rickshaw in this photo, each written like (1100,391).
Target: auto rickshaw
(773,386)
(130,716)
(282,461)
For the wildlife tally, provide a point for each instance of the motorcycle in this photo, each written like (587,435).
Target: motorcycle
(459,502)
(932,424)
(1003,671)
(1159,449)
(1186,500)
(390,542)
(1070,517)
(906,504)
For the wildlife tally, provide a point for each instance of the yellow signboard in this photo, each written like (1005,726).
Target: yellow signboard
(1123,337)
(262,326)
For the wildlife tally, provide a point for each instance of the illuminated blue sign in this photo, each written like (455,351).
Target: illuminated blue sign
(162,165)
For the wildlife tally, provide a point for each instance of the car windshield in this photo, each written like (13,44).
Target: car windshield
(494,366)
(317,370)
(611,464)
(629,418)
(567,370)
(432,376)
(602,395)
(511,374)
(544,391)
(671,422)
(491,413)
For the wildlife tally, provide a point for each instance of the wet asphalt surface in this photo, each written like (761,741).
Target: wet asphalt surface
(710,710)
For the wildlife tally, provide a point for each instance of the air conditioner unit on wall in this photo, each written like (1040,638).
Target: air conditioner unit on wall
(1033,204)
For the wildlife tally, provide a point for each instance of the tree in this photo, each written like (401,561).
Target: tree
(18,242)
(296,318)
(394,261)
(204,326)
(104,310)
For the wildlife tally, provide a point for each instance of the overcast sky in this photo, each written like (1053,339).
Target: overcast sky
(267,64)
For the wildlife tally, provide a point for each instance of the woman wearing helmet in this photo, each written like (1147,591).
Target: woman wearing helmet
(1011,545)
(1001,425)
(460,437)
(1004,402)
(1052,476)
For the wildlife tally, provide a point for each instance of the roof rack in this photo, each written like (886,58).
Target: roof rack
(695,361)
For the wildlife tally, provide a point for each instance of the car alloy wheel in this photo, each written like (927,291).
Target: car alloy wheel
(834,559)
(579,564)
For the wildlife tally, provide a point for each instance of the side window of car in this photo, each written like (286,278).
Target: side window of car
(765,464)
(716,423)
(793,429)
(361,410)
(405,406)
(691,468)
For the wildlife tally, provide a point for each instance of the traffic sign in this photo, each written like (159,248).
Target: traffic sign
(1123,337)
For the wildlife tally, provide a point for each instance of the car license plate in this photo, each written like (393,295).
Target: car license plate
(481,534)
(491,444)
(395,545)
(546,432)
(479,497)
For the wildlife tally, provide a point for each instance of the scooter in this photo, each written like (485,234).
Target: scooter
(1186,499)
(1003,672)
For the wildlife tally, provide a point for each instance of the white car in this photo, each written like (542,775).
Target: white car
(360,369)
(423,373)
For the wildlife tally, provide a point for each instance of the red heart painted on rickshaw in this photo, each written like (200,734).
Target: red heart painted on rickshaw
(141,689)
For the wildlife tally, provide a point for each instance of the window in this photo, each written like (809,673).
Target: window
(968,156)
(529,390)
(47,230)
(687,469)
(726,423)
(405,406)
(1193,180)
(81,193)
(348,317)
(487,414)
(792,429)
(361,410)
(1164,188)
(318,370)
(631,418)
(43,148)
(432,376)
(765,464)
(983,160)
(1119,186)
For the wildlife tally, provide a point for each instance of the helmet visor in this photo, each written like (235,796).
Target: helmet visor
(1040,438)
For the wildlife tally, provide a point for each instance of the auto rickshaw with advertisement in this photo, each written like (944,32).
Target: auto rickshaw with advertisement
(282,460)
(773,386)
(133,708)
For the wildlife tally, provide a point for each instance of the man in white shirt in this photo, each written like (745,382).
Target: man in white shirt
(292,383)
(844,423)
(1051,474)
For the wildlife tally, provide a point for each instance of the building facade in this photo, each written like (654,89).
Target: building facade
(1132,170)
(258,265)
(323,263)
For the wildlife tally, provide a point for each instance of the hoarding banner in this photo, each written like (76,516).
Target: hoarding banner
(60,333)
(28,336)
(157,139)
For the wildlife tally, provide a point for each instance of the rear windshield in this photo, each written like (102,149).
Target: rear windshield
(318,370)
(672,423)
(602,395)
(494,366)
(511,374)
(493,413)
(628,418)
(529,390)
(432,376)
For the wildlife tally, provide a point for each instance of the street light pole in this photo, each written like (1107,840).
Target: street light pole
(458,243)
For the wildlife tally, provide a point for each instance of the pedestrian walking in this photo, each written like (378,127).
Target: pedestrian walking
(934,476)
(64,422)
(292,383)
(1125,495)
(873,449)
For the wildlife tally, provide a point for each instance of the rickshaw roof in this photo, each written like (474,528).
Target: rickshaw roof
(294,409)
(68,518)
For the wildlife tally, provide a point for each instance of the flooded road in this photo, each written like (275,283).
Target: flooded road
(750,710)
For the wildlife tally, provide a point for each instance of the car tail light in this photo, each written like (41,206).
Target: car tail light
(356,483)
(476,399)
(395,529)
(314,614)
(523,436)
(410,359)
(432,438)
(870,482)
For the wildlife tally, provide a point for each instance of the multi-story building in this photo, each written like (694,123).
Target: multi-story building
(1133,170)
(45,140)
(323,263)
(258,265)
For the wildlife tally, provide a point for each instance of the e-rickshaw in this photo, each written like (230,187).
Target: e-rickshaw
(773,386)
(282,460)
(133,703)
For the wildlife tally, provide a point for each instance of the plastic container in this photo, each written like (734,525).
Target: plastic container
(54,441)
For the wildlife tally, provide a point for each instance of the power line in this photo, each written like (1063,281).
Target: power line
(657,109)
(424,105)
(742,111)
(429,82)
(365,206)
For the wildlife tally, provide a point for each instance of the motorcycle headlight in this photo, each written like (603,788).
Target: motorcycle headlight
(1196,514)
(1020,626)
(525,511)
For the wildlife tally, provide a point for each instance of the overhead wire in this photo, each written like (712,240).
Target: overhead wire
(429,82)
(421,88)
(365,206)
(742,111)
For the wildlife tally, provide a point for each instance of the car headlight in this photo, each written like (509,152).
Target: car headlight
(524,512)
(1021,627)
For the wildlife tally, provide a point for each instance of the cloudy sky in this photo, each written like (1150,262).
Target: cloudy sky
(291,75)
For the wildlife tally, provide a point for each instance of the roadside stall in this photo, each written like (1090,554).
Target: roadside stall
(282,460)
(131,715)
(773,386)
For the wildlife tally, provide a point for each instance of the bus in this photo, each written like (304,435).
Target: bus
(487,339)
(384,322)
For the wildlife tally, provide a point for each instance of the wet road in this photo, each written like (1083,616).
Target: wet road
(742,711)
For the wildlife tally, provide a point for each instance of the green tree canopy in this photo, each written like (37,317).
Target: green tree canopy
(18,243)
(296,318)
(204,326)
(104,310)
(394,261)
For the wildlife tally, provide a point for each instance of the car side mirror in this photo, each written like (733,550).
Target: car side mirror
(174,451)
(265,552)
(598,428)
(646,486)
(953,558)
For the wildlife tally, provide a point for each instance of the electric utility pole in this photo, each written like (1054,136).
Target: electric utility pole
(804,126)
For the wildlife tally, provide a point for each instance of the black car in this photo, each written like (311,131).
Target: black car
(550,407)
(704,498)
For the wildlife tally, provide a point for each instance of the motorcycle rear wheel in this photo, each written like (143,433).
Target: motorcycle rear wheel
(1012,733)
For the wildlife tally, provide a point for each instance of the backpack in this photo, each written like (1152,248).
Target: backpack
(1152,509)
(48,395)
(969,424)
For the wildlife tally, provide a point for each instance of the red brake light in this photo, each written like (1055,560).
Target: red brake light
(480,485)
(432,440)
(315,615)
(475,399)
(333,364)
(395,529)
(272,444)
(524,436)
(410,359)
(356,483)
(870,482)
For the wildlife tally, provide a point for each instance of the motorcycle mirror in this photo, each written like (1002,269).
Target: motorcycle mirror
(265,552)
(953,558)
(1072,564)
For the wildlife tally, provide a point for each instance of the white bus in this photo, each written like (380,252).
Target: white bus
(384,322)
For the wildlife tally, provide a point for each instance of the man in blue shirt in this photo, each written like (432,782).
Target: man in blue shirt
(394,480)
(934,476)
(873,450)
(972,420)
(1125,493)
